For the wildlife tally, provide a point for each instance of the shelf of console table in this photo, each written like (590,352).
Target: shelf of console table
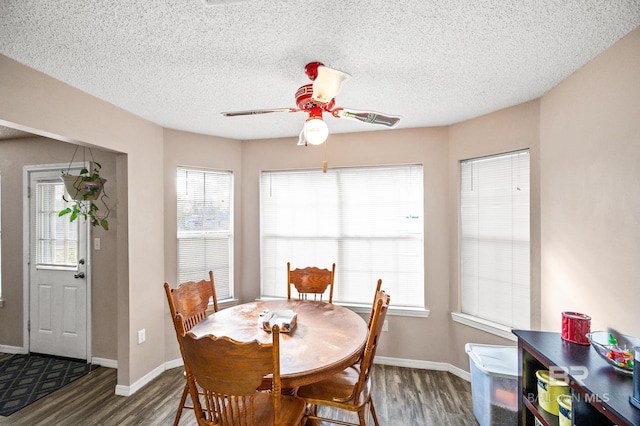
(600,398)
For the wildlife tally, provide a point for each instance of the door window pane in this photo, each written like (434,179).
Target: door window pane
(56,237)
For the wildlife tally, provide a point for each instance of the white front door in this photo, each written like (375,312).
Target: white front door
(58,270)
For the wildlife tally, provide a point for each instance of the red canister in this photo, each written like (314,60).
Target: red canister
(575,326)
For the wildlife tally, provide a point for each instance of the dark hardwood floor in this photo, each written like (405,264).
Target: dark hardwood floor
(402,396)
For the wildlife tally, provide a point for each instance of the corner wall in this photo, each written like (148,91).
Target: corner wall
(36,103)
(207,152)
(506,130)
(590,198)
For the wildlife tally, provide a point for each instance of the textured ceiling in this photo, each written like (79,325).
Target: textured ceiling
(9,133)
(179,63)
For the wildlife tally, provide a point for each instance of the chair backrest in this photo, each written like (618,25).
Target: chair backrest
(310,280)
(379,313)
(230,384)
(191,299)
(375,295)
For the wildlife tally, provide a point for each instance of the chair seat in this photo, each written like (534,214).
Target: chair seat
(350,389)
(291,411)
(336,390)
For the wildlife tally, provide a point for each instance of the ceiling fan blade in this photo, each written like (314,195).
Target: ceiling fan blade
(259,111)
(367,116)
(302,141)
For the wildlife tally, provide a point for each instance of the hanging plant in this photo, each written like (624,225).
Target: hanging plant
(84,190)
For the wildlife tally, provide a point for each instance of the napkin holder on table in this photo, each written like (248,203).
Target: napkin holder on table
(285,319)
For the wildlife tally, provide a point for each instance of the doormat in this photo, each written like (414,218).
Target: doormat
(27,378)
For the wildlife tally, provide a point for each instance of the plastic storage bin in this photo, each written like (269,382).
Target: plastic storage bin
(494,383)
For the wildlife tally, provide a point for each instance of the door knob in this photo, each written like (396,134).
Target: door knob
(79,275)
(81,261)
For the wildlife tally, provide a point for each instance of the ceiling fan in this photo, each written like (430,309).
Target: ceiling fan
(319,97)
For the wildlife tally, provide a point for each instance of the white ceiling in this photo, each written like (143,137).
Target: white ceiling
(179,63)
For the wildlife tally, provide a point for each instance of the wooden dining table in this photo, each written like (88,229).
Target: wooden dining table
(326,339)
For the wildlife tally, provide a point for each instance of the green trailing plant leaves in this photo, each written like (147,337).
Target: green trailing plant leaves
(86,207)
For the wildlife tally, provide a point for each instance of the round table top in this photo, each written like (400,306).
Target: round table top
(327,338)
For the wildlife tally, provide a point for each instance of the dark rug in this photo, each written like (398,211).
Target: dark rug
(27,378)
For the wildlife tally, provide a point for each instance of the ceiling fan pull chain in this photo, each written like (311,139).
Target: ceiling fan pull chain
(324,162)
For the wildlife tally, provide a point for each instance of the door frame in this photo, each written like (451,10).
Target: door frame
(26,250)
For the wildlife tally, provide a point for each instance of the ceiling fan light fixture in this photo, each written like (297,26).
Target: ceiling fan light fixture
(327,84)
(315,131)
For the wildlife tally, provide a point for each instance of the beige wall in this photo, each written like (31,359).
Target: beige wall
(507,130)
(584,136)
(199,151)
(408,337)
(590,199)
(37,103)
(14,155)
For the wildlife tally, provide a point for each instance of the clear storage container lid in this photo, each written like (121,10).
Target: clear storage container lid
(494,360)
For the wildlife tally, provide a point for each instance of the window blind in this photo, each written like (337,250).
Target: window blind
(205,224)
(494,212)
(367,220)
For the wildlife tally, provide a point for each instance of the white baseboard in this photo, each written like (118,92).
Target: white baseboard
(456,371)
(12,349)
(136,386)
(398,362)
(173,364)
(104,362)
(424,365)
(109,363)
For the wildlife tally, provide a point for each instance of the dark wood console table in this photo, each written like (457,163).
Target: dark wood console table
(600,398)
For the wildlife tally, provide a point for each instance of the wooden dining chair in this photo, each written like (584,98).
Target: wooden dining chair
(310,280)
(350,389)
(375,295)
(191,300)
(230,383)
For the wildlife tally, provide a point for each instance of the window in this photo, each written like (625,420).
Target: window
(56,237)
(494,212)
(367,220)
(205,228)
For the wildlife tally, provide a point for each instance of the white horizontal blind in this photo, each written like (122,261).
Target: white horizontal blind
(205,224)
(56,237)
(494,203)
(366,220)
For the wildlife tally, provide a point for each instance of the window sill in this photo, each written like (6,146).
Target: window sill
(400,311)
(224,304)
(366,309)
(484,325)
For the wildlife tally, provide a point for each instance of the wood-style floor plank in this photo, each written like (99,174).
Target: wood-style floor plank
(402,396)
